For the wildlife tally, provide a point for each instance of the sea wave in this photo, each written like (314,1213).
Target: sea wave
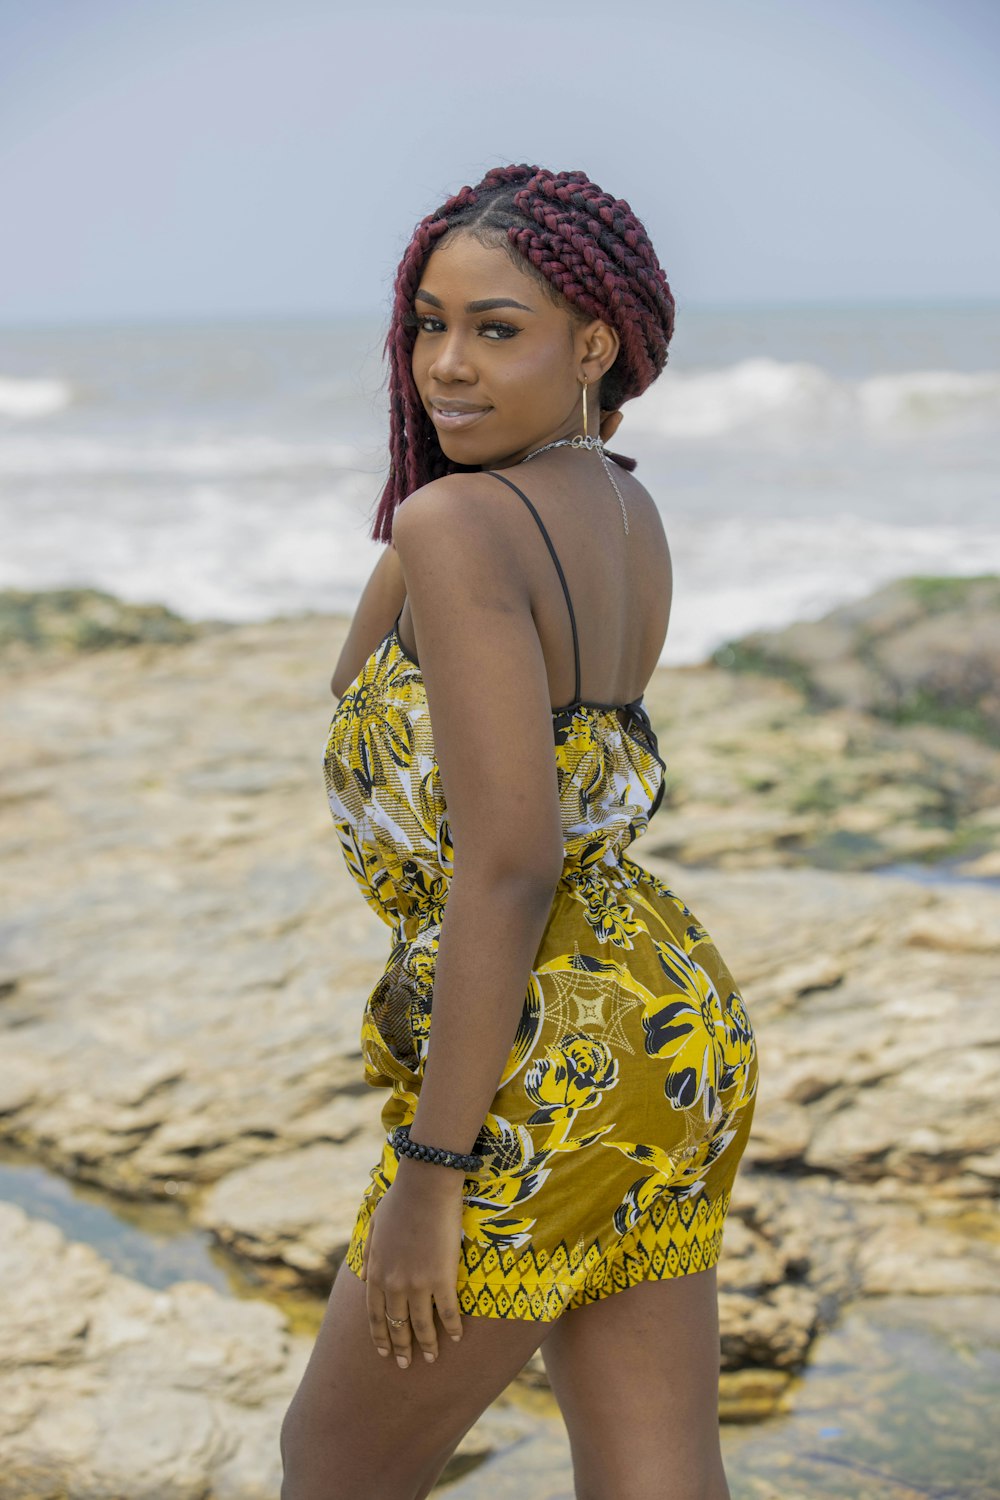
(22,400)
(771,397)
(24,456)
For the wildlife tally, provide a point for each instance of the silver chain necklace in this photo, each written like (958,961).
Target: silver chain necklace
(595,443)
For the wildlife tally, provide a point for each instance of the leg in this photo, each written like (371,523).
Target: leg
(360,1428)
(636,1376)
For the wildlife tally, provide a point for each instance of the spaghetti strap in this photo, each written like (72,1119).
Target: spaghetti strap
(562,576)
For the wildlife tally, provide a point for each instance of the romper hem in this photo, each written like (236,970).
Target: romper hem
(658,1247)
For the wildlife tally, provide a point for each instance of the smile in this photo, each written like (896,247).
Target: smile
(453,420)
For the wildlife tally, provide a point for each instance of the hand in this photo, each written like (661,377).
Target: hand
(411,1259)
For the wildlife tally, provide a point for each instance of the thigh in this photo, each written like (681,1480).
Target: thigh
(361,1428)
(636,1375)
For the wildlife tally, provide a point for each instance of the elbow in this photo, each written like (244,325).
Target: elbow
(525,882)
(525,856)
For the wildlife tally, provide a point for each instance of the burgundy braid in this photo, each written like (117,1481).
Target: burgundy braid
(582,246)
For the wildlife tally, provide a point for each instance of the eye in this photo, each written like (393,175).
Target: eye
(492,326)
(415,320)
(503,330)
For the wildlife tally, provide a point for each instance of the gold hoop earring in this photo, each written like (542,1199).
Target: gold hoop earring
(585,406)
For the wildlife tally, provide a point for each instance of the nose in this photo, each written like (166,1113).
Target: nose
(450,360)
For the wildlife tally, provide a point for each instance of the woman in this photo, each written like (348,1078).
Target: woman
(591,1081)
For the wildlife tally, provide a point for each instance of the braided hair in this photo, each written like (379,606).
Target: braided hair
(583,247)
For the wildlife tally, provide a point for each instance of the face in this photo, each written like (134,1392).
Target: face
(498,366)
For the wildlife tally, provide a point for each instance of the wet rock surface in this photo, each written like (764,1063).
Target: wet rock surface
(917,649)
(185,960)
(43,627)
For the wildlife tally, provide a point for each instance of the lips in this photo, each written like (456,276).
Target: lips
(452,417)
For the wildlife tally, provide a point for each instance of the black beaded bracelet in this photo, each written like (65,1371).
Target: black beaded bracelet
(400,1139)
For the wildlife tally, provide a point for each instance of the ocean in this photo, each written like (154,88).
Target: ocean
(800,457)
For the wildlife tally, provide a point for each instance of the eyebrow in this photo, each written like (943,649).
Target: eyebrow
(486,304)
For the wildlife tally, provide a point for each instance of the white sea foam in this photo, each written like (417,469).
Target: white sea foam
(930,397)
(234,471)
(742,573)
(25,456)
(769,397)
(24,399)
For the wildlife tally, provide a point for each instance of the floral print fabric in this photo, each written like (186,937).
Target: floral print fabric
(613,1140)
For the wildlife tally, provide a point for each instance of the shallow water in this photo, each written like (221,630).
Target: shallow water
(898,1402)
(931,873)
(153,1242)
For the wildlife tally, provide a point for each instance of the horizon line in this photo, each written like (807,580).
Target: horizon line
(370,315)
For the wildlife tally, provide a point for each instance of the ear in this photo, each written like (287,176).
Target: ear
(610,423)
(597,346)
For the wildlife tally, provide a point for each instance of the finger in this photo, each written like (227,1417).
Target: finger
(449,1312)
(401,1333)
(423,1325)
(377,1326)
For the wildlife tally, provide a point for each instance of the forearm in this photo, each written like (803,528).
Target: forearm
(490,936)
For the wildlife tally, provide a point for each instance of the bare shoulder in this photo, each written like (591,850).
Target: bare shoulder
(453,516)
(633,488)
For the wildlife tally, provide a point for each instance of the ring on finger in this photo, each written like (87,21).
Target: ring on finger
(397,1322)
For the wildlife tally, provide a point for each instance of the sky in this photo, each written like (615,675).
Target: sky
(172,159)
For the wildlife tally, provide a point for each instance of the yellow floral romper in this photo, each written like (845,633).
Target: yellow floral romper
(612,1143)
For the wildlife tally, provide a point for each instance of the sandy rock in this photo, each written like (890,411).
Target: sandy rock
(921,1260)
(296,1210)
(774,1330)
(922,1123)
(111,1389)
(969,923)
(751,1394)
(781,1132)
(195,1029)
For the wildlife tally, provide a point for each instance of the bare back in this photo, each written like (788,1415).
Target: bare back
(620,584)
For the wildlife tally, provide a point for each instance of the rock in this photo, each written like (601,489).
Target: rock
(195,1030)
(751,1394)
(294,1213)
(781,1132)
(110,1388)
(969,923)
(923,1261)
(986,1166)
(773,1330)
(50,623)
(917,648)
(921,1123)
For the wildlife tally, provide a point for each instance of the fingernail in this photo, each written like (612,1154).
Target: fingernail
(456,1337)
(402,1361)
(429,1356)
(382,1351)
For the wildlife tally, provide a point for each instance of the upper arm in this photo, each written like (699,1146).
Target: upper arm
(373,617)
(484,674)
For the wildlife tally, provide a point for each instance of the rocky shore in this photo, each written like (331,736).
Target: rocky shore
(185,960)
